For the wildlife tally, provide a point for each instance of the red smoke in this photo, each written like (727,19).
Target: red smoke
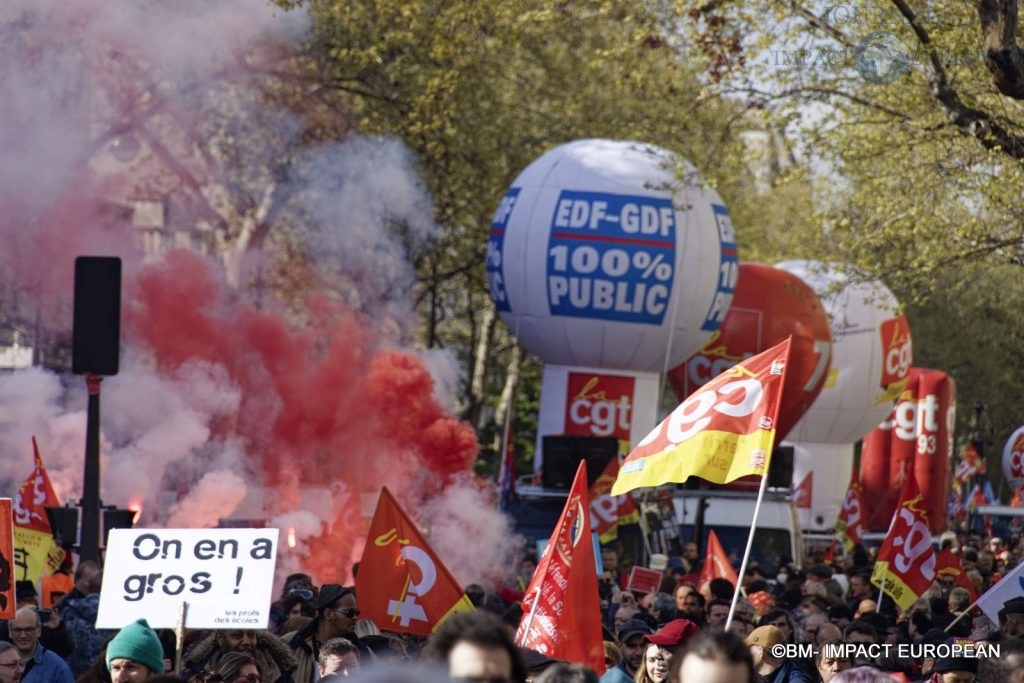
(319,405)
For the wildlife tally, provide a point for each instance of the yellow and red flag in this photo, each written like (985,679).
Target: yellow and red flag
(716,563)
(947,563)
(37,554)
(607,512)
(402,584)
(905,567)
(8,606)
(850,524)
(725,430)
(561,607)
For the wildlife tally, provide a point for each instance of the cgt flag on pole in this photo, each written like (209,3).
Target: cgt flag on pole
(607,512)
(721,432)
(36,552)
(716,563)
(561,607)
(849,524)
(402,584)
(948,564)
(905,567)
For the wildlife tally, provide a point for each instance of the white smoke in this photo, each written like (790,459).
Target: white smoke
(472,538)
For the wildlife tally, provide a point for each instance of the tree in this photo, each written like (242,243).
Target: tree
(916,181)
(479,90)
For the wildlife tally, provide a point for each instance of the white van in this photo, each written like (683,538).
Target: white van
(777,538)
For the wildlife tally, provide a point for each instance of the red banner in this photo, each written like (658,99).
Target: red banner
(607,512)
(716,563)
(402,584)
(850,525)
(896,356)
(918,437)
(644,580)
(905,567)
(947,563)
(561,607)
(722,432)
(599,405)
(8,606)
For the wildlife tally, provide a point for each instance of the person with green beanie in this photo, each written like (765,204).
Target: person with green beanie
(135,654)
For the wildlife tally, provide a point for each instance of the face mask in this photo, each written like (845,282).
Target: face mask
(782,578)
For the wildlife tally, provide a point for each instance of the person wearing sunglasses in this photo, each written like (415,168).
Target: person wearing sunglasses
(336,615)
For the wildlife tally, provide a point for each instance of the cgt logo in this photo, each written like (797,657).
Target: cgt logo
(896,350)
(599,405)
(1017,459)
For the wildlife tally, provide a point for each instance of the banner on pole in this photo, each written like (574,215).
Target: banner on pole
(850,523)
(561,606)
(1009,587)
(607,512)
(225,575)
(905,567)
(402,583)
(37,553)
(722,432)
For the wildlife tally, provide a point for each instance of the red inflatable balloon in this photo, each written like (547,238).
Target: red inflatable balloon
(768,305)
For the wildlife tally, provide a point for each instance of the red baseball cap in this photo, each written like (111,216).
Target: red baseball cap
(675,632)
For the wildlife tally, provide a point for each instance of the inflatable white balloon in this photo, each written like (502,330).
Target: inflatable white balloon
(871,356)
(1013,460)
(600,256)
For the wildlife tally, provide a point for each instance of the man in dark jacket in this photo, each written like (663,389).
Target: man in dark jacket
(79,618)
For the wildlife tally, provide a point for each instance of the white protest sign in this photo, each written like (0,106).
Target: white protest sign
(225,575)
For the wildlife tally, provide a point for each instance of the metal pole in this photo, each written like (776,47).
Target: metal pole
(89,547)
(746,553)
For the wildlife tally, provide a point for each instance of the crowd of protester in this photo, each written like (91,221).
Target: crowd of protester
(680,633)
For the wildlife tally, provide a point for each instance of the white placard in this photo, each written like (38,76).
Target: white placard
(225,575)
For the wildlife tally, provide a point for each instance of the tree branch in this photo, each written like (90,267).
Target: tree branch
(1003,57)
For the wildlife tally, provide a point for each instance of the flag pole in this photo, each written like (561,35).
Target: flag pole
(750,544)
(962,614)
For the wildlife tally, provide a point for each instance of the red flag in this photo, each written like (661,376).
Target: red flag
(8,606)
(849,525)
(34,496)
(948,563)
(607,512)
(971,463)
(716,563)
(37,552)
(905,567)
(402,585)
(977,497)
(723,431)
(830,554)
(803,494)
(561,607)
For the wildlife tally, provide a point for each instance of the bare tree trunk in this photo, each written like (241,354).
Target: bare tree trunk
(481,355)
(1003,57)
(508,391)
